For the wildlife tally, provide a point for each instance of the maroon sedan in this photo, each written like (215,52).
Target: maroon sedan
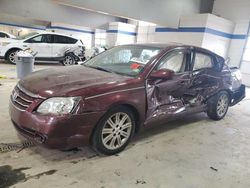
(112,96)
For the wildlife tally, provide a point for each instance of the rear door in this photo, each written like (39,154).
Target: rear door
(165,97)
(61,44)
(205,78)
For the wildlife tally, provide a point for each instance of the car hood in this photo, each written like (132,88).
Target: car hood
(67,80)
(8,40)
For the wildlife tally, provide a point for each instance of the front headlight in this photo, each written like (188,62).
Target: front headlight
(58,105)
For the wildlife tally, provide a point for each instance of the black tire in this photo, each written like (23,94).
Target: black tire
(97,137)
(10,56)
(214,111)
(68,60)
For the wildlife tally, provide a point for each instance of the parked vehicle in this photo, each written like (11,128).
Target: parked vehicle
(73,56)
(4,34)
(50,47)
(90,53)
(5,38)
(121,91)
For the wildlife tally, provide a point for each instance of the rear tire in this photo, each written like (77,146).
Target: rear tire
(114,131)
(11,56)
(218,105)
(68,60)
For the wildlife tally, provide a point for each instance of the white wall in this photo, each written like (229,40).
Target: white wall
(145,32)
(237,45)
(218,36)
(100,37)
(120,33)
(239,12)
(204,30)
(181,36)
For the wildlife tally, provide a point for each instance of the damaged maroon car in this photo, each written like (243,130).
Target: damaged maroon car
(114,95)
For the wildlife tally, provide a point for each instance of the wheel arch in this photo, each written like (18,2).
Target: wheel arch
(229,92)
(226,90)
(133,109)
(11,49)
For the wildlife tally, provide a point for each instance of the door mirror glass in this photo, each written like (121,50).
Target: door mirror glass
(162,74)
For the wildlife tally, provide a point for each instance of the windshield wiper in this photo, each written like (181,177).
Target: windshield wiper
(100,68)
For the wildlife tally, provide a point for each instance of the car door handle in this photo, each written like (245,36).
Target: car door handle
(25,46)
(182,82)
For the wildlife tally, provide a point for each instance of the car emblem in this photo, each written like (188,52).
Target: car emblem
(14,96)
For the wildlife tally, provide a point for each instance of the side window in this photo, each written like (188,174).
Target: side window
(175,61)
(40,39)
(71,40)
(46,38)
(37,39)
(64,40)
(3,35)
(202,61)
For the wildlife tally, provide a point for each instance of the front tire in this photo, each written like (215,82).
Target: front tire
(218,106)
(114,131)
(11,56)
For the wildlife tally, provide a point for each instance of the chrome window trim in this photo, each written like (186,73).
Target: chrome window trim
(117,91)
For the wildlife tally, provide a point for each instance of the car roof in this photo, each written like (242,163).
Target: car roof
(171,45)
(54,33)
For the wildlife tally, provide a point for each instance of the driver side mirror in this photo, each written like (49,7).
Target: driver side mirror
(162,74)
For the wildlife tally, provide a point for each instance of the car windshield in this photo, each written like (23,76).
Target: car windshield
(26,36)
(124,60)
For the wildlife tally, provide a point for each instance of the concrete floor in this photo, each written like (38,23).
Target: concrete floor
(194,152)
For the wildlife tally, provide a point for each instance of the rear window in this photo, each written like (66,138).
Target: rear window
(64,40)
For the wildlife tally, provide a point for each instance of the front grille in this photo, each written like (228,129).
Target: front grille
(21,99)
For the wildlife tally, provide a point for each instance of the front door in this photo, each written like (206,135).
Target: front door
(40,44)
(165,97)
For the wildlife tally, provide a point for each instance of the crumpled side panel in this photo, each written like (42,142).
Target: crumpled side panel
(181,93)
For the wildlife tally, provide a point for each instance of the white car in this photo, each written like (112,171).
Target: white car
(4,34)
(50,47)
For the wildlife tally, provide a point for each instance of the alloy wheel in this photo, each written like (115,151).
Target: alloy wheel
(222,105)
(116,130)
(12,56)
(68,60)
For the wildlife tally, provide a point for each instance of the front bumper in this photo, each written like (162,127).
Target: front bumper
(238,95)
(58,132)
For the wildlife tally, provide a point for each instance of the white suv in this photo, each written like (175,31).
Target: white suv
(50,46)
